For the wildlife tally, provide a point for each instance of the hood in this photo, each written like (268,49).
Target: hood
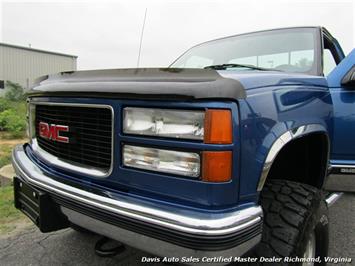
(166,83)
(258,79)
(152,83)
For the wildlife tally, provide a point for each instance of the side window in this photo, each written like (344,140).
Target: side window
(328,62)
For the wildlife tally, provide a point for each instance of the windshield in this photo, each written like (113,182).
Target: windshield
(290,50)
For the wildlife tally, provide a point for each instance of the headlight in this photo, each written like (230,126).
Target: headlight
(164,122)
(167,161)
(212,126)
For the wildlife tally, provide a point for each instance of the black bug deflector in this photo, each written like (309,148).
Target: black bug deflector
(152,83)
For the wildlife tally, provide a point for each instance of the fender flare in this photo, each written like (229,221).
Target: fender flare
(282,141)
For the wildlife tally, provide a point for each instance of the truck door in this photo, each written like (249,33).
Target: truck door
(341,81)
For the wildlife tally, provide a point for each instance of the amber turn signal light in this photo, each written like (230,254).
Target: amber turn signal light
(216,166)
(218,126)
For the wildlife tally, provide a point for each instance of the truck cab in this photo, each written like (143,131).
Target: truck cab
(341,86)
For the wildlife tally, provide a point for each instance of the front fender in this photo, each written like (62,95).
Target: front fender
(269,119)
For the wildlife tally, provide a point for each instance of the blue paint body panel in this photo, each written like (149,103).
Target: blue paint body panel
(270,111)
(343,145)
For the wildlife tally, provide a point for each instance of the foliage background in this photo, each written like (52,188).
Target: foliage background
(13,111)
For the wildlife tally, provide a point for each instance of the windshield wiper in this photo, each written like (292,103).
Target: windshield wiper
(225,66)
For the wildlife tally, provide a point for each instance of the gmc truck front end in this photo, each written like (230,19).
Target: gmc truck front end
(160,176)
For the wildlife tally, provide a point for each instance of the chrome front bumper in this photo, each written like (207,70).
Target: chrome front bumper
(207,226)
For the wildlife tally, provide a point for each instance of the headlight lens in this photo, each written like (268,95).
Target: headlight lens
(164,122)
(213,126)
(167,161)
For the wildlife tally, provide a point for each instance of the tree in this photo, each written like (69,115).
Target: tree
(14,91)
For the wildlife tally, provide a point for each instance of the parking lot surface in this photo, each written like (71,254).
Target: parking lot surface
(68,247)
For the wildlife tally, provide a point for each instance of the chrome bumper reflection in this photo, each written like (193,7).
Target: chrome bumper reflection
(153,245)
(186,221)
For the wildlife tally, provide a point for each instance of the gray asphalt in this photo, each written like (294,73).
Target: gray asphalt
(68,247)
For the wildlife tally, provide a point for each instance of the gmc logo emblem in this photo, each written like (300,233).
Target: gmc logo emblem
(52,132)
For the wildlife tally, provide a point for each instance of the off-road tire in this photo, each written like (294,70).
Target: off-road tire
(292,211)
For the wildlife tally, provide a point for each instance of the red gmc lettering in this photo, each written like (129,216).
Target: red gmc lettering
(52,132)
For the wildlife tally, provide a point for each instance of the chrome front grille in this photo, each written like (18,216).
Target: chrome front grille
(89,135)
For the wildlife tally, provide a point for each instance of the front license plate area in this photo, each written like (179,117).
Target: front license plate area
(39,207)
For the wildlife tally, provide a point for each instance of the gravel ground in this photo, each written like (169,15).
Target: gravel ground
(67,247)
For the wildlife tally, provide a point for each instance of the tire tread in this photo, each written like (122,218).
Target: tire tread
(288,207)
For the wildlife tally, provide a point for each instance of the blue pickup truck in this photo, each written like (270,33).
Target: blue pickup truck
(221,157)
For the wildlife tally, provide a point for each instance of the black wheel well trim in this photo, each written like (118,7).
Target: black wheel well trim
(286,138)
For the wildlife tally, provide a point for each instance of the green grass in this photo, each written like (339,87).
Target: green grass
(9,215)
(6,145)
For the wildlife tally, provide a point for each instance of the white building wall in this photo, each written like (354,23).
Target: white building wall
(23,65)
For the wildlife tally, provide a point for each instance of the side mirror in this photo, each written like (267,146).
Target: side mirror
(348,80)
